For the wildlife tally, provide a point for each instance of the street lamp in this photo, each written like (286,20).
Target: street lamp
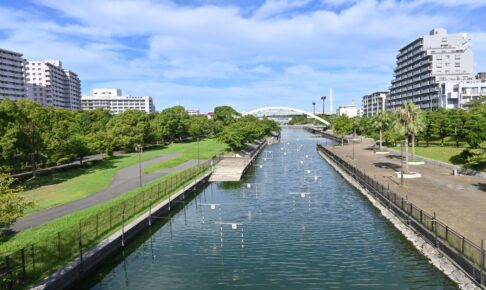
(323,98)
(139,147)
(314,107)
(197,150)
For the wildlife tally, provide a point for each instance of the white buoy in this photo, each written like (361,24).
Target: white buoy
(213,206)
(261,166)
(248,185)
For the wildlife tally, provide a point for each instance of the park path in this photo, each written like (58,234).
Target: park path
(125,180)
(458,201)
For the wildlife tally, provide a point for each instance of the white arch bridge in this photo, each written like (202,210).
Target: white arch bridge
(287,109)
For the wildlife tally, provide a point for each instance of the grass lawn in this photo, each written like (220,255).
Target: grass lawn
(207,149)
(66,186)
(50,229)
(444,154)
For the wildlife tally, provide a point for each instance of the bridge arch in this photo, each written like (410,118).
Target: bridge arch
(252,112)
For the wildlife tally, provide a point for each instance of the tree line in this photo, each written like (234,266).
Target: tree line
(33,136)
(411,125)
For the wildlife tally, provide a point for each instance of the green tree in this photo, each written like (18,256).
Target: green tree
(406,119)
(170,124)
(475,127)
(225,114)
(441,124)
(477,157)
(200,126)
(416,124)
(381,121)
(428,126)
(342,126)
(129,129)
(457,124)
(12,205)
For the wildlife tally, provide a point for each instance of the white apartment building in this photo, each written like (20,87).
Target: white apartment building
(350,111)
(456,94)
(50,85)
(426,62)
(115,102)
(374,103)
(12,84)
(193,112)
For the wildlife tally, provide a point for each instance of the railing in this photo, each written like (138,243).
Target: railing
(23,267)
(463,252)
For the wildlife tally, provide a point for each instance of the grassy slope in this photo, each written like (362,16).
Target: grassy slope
(207,149)
(51,228)
(73,184)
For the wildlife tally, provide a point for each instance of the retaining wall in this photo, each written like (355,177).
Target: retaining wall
(69,275)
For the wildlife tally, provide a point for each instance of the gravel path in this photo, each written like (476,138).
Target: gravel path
(125,180)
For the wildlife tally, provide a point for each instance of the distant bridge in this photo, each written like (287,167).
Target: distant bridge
(272,109)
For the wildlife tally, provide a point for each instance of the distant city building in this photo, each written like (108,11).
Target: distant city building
(193,112)
(50,85)
(426,62)
(350,111)
(12,83)
(115,102)
(456,94)
(373,103)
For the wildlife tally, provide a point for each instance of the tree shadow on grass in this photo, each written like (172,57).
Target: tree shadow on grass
(66,174)
(457,159)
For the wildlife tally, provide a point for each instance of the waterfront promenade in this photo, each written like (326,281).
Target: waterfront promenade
(458,201)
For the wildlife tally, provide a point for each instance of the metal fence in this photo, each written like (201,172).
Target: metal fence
(23,267)
(463,252)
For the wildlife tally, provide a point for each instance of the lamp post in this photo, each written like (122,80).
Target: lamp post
(139,147)
(197,150)
(323,98)
(401,163)
(314,107)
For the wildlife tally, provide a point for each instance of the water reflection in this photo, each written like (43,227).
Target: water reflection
(292,223)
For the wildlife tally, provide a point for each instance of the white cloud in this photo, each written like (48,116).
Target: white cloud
(212,54)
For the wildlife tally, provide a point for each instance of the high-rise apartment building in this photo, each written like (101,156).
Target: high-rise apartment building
(426,62)
(12,83)
(50,85)
(374,103)
(115,102)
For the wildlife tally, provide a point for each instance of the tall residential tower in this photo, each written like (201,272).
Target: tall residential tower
(12,83)
(50,85)
(426,62)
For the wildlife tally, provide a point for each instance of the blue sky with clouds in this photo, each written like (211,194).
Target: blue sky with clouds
(247,53)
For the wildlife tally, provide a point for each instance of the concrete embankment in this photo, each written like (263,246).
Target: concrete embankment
(69,275)
(439,253)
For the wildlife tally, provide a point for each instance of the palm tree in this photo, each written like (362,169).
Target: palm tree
(406,121)
(380,122)
(416,124)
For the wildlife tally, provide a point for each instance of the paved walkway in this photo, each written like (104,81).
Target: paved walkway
(458,201)
(125,180)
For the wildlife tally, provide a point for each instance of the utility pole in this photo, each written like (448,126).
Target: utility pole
(314,107)
(323,98)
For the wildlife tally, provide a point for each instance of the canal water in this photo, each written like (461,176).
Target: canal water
(292,223)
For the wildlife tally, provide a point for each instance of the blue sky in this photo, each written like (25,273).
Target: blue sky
(247,53)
